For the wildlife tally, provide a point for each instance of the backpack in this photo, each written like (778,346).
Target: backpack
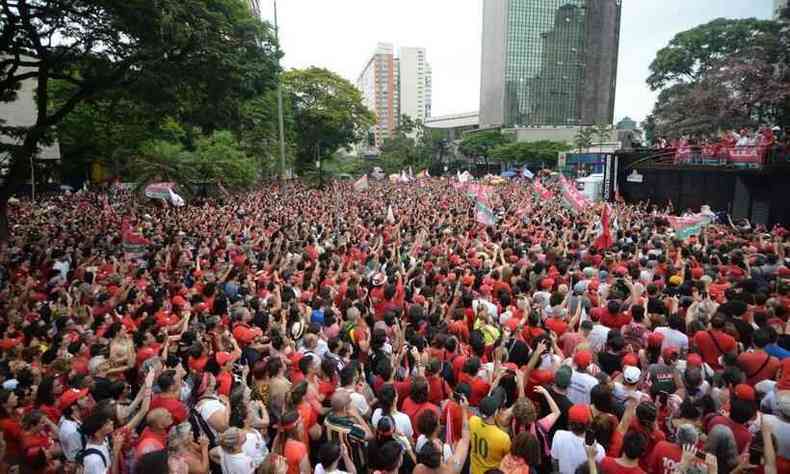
(84,453)
(199,425)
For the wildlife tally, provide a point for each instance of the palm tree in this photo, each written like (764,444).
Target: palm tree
(602,131)
(583,138)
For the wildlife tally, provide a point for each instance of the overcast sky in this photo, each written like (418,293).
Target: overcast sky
(341,35)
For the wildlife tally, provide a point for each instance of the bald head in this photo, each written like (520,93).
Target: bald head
(159,418)
(340,401)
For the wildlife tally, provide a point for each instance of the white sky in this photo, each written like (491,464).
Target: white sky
(340,35)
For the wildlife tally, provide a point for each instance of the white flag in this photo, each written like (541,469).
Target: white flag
(390,215)
(175,199)
(361,184)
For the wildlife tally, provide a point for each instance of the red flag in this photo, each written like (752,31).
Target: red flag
(604,240)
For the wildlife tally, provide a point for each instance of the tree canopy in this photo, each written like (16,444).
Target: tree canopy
(723,74)
(328,113)
(480,144)
(540,153)
(196,60)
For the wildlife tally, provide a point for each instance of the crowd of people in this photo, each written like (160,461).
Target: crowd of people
(291,330)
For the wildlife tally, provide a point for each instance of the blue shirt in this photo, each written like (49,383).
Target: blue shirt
(776,351)
(317,317)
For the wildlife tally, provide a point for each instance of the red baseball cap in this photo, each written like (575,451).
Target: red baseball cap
(694,360)
(579,414)
(655,339)
(669,352)
(745,392)
(70,397)
(582,358)
(631,359)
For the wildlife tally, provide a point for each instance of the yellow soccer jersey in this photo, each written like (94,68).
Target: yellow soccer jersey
(489,445)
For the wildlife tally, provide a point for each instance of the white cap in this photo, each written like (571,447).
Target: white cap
(631,374)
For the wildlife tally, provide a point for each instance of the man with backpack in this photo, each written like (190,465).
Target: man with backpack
(98,454)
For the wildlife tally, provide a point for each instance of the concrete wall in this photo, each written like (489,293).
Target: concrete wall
(21,112)
(492,79)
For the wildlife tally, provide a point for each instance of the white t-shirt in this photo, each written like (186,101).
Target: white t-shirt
(238,463)
(569,450)
(208,407)
(255,447)
(447,451)
(319,469)
(673,338)
(401,420)
(358,401)
(70,438)
(597,338)
(580,386)
(93,463)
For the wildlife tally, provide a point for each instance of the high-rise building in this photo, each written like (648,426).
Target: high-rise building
(379,85)
(549,62)
(415,83)
(779,5)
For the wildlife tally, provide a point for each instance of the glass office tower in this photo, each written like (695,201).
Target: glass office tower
(549,62)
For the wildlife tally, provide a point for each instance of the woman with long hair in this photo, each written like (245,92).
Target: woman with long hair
(387,406)
(10,427)
(524,452)
(48,390)
(122,353)
(187,456)
(245,417)
(430,457)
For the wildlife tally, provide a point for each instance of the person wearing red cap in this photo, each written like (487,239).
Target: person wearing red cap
(581,381)
(742,409)
(568,446)
(74,404)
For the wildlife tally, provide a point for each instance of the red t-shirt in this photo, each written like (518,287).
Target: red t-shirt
(557,325)
(710,349)
(12,433)
(614,321)
(150,441)
(480,388)
(611,466)
(438,390)
(758,366)
(224,383)
(176,408)
(742,435)
(664,458)
(413,409)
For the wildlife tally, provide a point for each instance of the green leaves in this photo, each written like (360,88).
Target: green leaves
(481,144)
(539,153)
(690,54)
(720,75)
(328,113)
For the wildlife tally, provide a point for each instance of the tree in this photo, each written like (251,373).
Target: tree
(328,112)
(217,158)
(480,144)
(533,154)
(603,133)
(720,75)
(691,54)
(207,54)
(583,138)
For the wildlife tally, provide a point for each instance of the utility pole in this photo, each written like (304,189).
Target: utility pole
(279,96)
